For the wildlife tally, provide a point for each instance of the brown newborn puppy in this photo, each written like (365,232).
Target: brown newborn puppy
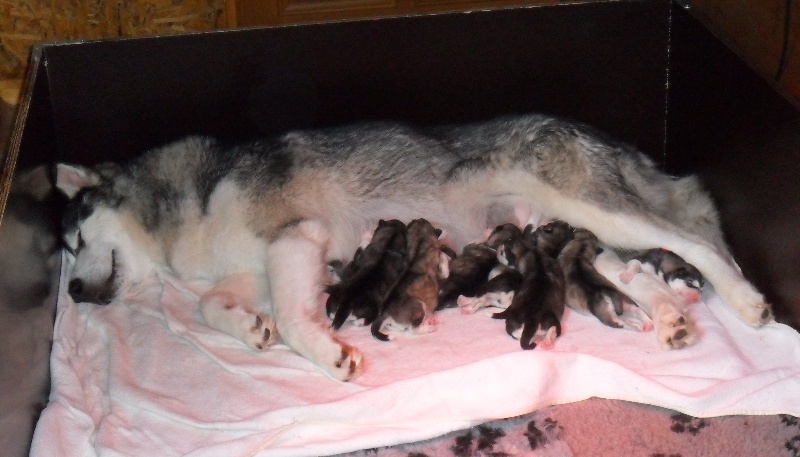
(413,301)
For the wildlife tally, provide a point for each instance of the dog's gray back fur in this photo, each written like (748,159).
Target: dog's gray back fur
(388,170)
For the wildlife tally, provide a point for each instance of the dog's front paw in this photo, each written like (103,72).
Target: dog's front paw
(347,365)
(748,304)
(674,330)
(262,333)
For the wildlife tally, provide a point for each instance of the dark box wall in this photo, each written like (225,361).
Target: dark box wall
(602,63)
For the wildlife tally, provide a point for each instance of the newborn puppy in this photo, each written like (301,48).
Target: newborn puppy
(497,289)
(467,273)
(370,277)
(681,276)
(411,304)
(549,238)
(587,291)
(535,313)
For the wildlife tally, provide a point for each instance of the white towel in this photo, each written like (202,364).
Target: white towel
(144,377)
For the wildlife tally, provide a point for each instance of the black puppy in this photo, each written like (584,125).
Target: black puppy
(467,273)
(498,289)
(535,313)
(370,277)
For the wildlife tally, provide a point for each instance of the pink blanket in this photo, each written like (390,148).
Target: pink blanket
(144,376)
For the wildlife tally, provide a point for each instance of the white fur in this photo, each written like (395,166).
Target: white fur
(674,327)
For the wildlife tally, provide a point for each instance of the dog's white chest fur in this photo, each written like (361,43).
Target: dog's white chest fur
(218,243)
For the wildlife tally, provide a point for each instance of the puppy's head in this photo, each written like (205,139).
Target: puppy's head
(503,234)
(552,237)
(109,245)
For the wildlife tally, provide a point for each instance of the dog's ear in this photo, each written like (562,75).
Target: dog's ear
(72,178)
(438,232)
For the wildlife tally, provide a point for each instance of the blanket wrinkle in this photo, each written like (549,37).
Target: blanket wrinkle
(146,377)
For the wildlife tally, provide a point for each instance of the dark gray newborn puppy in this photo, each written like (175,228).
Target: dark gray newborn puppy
(534,316)
(587,291)
(369,279)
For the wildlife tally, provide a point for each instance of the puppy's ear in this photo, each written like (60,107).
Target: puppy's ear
(72,178)
(438,232)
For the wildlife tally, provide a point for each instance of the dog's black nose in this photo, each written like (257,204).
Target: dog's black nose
(83,293)
(75,289)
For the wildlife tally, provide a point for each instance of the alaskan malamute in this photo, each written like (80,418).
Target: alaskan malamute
(262,220)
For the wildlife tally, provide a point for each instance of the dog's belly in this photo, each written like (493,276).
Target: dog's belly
(462,221)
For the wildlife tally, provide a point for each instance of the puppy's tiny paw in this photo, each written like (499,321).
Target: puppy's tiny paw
(469,305)
(627,276)
(429,326)
(262,333)
(633,268)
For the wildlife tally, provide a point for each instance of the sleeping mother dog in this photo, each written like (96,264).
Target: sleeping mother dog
(261,220)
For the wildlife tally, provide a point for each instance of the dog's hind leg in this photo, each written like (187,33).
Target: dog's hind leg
(720,270)
(674,328)
(232,307)
(647,231)
(296,269)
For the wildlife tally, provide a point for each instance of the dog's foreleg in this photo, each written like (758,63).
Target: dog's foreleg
(296,269)
(233,307)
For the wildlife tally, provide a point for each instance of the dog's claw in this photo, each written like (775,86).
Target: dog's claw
(348,366)
(748,304)
(262,334)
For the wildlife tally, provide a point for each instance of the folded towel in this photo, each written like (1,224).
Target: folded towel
(145,376)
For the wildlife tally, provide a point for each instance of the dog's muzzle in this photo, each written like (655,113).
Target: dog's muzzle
(101,294)
(84,293)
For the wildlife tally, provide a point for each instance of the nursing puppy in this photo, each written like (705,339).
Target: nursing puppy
(534,316)
(497,289)
(415,297)
(587,291)
(271,213)
(676,272)
(370,277)
(467,274)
